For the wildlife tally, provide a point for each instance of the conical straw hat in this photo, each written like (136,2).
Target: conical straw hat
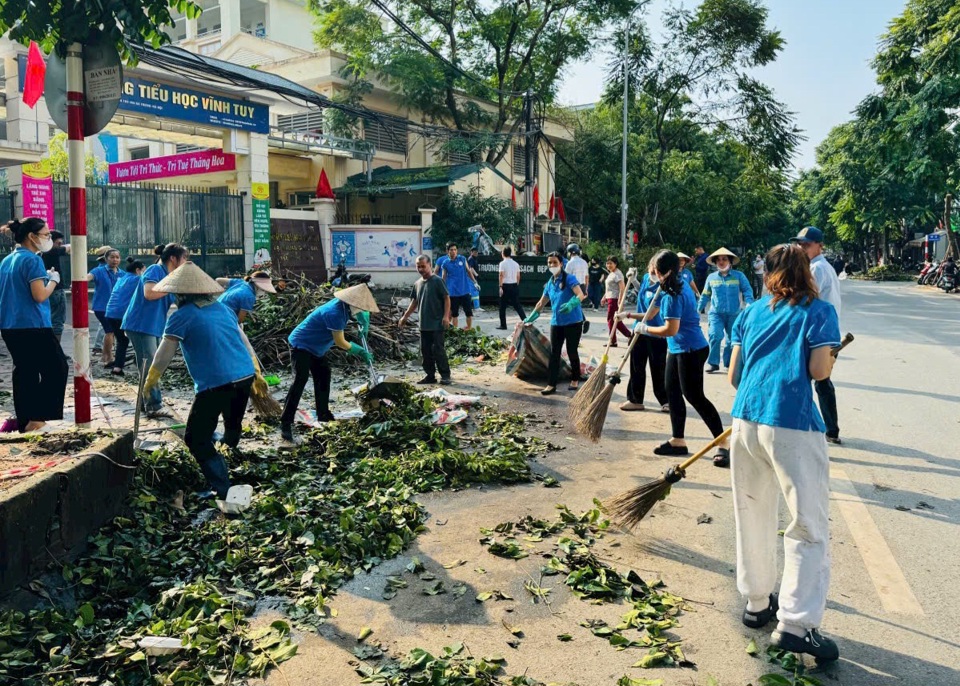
(721,252)
(262,281)
(683,256)
(358,296)
(188,279)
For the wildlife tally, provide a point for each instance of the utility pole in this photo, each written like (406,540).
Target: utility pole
(78,234)
(528,167)
(623,170)
(951,236)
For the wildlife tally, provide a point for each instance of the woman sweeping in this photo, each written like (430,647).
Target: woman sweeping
(780,344)
(220,361)
(39,366)
(117,305)
(312,340)
(687,350)
(146,315)
(565,296)
(614,289)
(241,294)
(104,278)
(649,349)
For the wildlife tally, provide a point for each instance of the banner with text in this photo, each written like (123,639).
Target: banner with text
(377,248)
(261,222)
(38,191)
(184,164)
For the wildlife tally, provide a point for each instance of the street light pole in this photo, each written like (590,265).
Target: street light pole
(623,170)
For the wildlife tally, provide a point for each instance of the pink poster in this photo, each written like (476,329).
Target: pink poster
(186,164)
(38,191)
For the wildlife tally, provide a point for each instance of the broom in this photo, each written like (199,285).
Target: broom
(589,421)
(264,404)
(628,509)
(631,507)
(593,385)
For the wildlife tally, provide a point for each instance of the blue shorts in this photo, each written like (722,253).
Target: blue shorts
(104,322)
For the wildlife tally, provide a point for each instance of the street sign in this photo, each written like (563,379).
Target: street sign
(933,237)
(103,79)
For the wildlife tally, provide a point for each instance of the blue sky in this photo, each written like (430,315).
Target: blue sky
(821,75)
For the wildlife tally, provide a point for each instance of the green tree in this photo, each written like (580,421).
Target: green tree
(491,53)
(457,212)
(59,162)
(54,25)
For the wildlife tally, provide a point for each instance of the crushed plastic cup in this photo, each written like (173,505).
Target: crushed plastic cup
(237,500)
(160,645)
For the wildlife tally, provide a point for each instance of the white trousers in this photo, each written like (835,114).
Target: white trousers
(765,462)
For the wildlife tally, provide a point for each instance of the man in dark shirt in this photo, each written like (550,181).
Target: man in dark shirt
(431,298)
(58,300)
(473,263)
(700,267)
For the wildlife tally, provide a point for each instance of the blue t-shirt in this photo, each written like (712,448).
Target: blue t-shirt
(313,334)
(683,307)
(104,279)
(454,273)
(148,316)
(239,296)
(121,295)
(560,294)
(686,276)
(211,343)
(18,309)
(775,349)
(648,289)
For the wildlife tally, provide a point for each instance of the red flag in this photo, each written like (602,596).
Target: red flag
(550,207)
(513,195)
(561,211)
(536,200)
(323,187)
(35,76)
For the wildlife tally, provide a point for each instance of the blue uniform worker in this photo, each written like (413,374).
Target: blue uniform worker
(725,290)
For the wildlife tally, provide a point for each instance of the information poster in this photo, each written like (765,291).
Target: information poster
(38,191)
(261,222)
(377,249)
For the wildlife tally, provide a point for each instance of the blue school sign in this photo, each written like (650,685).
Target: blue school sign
(175,102)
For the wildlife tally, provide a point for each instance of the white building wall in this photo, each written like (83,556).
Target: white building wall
(290,23)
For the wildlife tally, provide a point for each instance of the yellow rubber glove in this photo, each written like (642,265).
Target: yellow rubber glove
(153,378)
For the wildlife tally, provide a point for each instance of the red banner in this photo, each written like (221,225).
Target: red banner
(186,164)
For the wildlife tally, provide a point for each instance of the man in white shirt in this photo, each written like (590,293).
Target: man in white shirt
(811,239)
(578,267)
(759,269)
(509,287)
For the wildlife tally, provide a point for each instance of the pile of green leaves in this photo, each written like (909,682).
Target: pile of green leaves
(790,662)
(342,501)
(652,611)
(467,345)
(885,272)
(455,667)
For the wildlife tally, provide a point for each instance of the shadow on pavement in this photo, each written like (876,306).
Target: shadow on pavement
(897,391)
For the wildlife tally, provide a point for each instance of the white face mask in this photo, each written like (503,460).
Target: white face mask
(46,244)
(555,270)
(724,270)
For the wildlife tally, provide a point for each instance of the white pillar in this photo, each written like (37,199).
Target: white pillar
(253,166)
(229,19)
(426,229)
(326,209)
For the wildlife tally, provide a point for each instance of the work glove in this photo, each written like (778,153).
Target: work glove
(363,319)
(53,275)
(641,328)
(532,317)
(569,306)
(153,378)
(620,316)
(357,351)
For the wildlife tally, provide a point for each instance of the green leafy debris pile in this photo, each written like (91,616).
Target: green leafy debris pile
(454,667)
(790,662)
(472,345)
(175,567)
(652,611)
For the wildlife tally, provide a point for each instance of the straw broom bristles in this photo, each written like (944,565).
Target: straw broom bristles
(264,404)
(628,509)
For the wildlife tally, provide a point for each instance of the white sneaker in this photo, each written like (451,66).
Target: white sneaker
(632,407)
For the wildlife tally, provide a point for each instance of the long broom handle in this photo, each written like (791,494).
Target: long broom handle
(847,340)
(613,331)
(704,450)
(646,316)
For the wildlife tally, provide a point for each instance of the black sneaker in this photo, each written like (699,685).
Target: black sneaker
(501,328)
(586,326)
(758,620)
(286,432)
(713,368)
(835,440)
(813,643)
(427,380)
(445,381)
(326,416)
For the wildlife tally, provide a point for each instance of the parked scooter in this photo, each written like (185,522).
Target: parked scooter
(948,277)
(928,272)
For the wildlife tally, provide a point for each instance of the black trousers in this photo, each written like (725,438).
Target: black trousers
(685,380)
(305,365)
(120,354)
(39,374)
(510,298)
(827,395)
(652,350)
(230,402)
(434,354)
(568,335)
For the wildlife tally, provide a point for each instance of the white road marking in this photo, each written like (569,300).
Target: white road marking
(895,593)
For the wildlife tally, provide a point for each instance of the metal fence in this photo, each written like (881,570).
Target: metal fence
(134,220)
(6,214)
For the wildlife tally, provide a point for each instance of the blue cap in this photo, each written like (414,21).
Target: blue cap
(811,234)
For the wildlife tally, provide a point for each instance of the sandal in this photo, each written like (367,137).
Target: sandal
(667,448)
(722,458)
(758,620)
(549,390)
(571,387)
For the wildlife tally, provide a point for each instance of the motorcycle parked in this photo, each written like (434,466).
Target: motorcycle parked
(927,273)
